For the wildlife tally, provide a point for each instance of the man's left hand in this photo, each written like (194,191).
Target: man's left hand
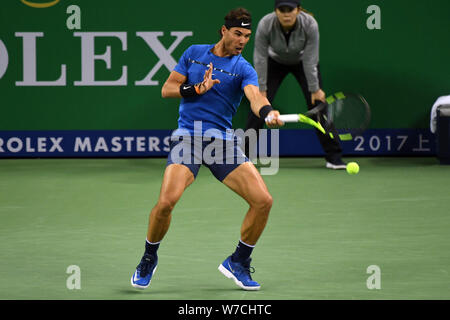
(274,120)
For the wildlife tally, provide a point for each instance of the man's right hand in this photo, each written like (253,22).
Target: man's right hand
(208,82)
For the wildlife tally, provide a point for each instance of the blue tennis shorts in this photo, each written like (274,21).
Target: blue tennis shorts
(220,156)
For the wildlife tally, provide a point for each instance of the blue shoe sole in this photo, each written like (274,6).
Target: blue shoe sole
(230,275)
(135,285)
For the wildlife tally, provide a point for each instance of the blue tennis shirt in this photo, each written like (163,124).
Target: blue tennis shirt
(216,107)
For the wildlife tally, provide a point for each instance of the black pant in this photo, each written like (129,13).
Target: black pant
(275,75)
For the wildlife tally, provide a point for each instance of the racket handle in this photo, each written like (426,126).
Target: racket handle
(286,118)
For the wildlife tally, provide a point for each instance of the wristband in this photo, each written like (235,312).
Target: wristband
(264,111)
(188,90)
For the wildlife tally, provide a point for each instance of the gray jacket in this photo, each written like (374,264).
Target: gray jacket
(303,46)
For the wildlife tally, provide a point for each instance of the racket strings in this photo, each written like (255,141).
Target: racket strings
(351,113)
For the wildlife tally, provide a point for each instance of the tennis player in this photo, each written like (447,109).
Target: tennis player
(211,81)
(287,41)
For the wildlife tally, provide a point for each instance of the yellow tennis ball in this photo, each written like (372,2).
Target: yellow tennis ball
(352,168)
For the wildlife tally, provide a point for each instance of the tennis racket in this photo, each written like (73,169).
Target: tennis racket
(343,116)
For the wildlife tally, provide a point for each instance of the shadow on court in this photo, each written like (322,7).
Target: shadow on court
(179,293)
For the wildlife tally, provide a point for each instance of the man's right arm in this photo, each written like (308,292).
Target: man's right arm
(171,88)
(175,86)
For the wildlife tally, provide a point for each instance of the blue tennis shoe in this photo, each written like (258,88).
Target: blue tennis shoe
(142,277)
(240,273)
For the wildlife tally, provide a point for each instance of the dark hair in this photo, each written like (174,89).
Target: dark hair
(237,14)
(306,11)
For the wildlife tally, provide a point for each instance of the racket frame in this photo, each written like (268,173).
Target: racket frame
(317,111)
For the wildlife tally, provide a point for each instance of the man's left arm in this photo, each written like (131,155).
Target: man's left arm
(261,106)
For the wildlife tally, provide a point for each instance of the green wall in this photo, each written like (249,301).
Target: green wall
(401,69)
